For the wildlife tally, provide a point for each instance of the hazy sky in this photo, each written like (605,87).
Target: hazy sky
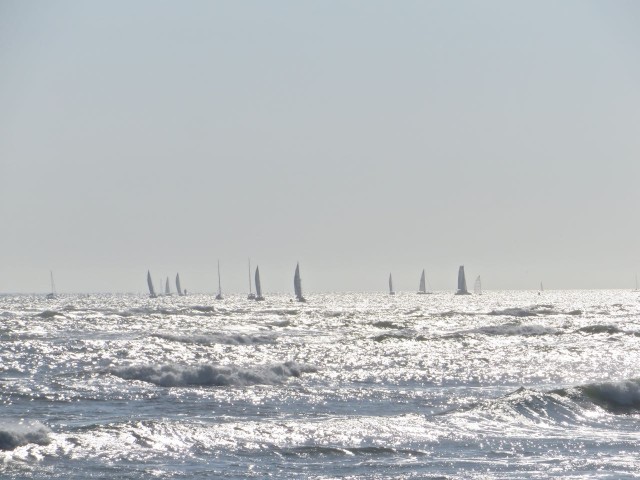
(360,138)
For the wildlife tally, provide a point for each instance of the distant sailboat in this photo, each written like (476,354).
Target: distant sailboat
(541,289)
(251,295)
(636,283)
(477,287)
(178,287)
(258,296)
(422,289)
(152,291)
(53,294)
(391,292)
(167,290)
(462,282)
(219,295)
(297,285)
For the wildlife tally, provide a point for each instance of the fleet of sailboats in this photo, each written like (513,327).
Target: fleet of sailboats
(297,285)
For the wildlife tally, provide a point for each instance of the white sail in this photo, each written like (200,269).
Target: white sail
(219,295)
(178,287)
(152,291)
(258,295)
(297,284)
(53,287)
(477,288)
(462,282)
(391,292)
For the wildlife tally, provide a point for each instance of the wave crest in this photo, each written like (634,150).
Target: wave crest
(212,375)
(13,435)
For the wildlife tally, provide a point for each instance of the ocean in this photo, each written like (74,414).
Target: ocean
(506,385)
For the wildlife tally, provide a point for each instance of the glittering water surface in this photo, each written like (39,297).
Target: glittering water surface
(502,385)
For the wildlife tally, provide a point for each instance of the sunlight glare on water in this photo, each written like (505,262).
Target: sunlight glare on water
(500,385)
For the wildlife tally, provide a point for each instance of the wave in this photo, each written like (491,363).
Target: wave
(387,324)
(212,375)
(216,339)
(400,336)
(595,329)
(532,311)
(50,314)
(325,451)
(514,329)
(13,435)
(615,397)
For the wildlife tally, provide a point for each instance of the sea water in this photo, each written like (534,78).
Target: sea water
(510,384)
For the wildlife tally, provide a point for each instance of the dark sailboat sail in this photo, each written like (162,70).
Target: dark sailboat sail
(391,292)
(178,287)
(297,284)
(167,290)
(462,282)
(152,291)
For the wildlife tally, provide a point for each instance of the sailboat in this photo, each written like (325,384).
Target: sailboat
(422,289)
(258,296)
(636,283)
(391,292)
(297,285)
(219,295)
(53,294)
(251,296)
(178,288)
(541,289)
(152,291)
(477,287)
(462,282)
(167,290)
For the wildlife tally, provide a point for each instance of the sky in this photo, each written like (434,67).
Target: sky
(358,138)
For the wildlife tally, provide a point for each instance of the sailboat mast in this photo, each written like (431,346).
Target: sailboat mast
(249,276)
(219,282)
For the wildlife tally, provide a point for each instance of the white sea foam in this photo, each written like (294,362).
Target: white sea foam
(211,375)
(14,434)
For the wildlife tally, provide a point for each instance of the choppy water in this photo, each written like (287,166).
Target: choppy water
(503,385)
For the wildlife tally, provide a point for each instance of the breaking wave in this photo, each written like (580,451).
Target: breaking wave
(212,375)
(615,397)
(13,435)
(217,339)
